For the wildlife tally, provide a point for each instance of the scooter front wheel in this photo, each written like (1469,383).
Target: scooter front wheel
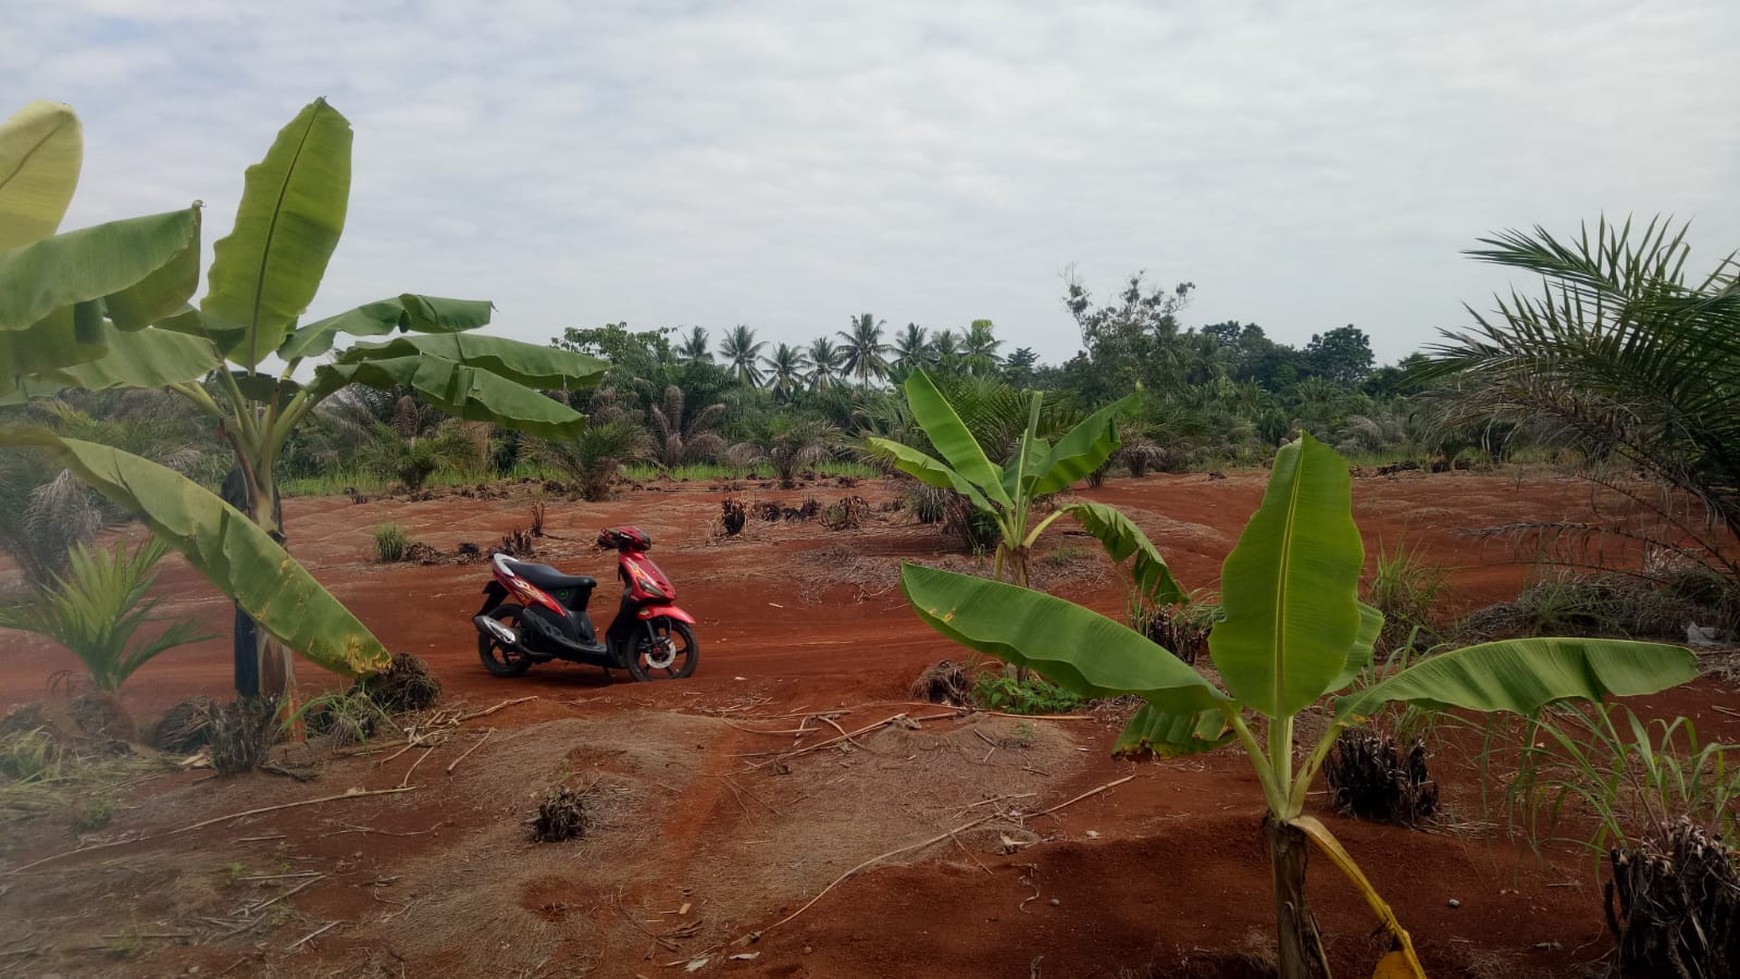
(498,659)
(667,652)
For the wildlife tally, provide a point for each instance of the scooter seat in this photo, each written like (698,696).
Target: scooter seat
(545,576)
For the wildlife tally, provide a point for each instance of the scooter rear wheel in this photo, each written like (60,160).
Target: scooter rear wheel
(669,653)
(499,660)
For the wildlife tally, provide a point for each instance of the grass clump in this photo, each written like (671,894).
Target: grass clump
(561,816)
(391,544)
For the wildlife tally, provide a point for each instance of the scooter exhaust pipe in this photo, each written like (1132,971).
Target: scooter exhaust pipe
(501,633)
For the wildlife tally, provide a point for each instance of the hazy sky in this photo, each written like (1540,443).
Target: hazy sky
(789,164)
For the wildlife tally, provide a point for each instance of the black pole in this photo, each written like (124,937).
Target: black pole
(246,642)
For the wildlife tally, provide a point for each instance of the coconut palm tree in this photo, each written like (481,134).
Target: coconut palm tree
(945,350)
(741,352)
(912,347)
(979,349)
(825,360)
(785,370)
(694,347)
(864,348)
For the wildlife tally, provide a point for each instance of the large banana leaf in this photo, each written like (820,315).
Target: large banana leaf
(1080,650)
(466,392)
(927,470)
(1524,675)
(1371,625)
(223,545)
(1122,539)
(1152,731)
(140,359)
(951,437)
(267,270)
(90,264)
(1290,588)
(1083,449)
(162,293)
(544,368)
(407,314)
(41,151)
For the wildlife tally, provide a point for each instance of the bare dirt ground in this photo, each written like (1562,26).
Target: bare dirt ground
(707,831)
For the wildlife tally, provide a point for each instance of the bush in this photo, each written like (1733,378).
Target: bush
(406,684)
(561,816)
(1033,695)
(391,544)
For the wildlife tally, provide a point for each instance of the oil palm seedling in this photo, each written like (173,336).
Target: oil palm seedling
(98,608)
(790,446)
(107,308)
(1293,632)
(592,459)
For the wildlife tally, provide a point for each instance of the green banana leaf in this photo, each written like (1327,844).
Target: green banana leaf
(463,391)
(1524,675)
(926,470)
(406,314)
(1371,625)
(1290,588)
(42,149)
(90,264)
(951,437)
(1083,449)
(541,367)
(1152,731)
(140,359)
(224,546)
(162,293)
(267,270)
(1080,650)
(1122,539)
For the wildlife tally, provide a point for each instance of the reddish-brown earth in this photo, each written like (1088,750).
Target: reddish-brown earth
(702,838)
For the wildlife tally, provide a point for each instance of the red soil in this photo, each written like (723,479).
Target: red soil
(1165,873)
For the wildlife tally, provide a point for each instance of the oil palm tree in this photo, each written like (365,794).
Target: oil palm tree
(864,348)
(1623,356)
(785,370)
(679,437)
(912,347)
(695,347)
(741,352)
(790,446)
(825,361)
(979,349)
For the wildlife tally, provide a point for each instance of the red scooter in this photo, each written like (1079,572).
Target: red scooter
(533,613)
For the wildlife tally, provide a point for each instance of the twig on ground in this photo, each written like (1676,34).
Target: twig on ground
(351,794)
(928,841)
(407,779)
(468,751)
(311,935)
(276,769)
(263,905)
(485,713)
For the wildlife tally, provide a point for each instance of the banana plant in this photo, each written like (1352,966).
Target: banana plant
(237,356)
(1293,633)
(1010,492)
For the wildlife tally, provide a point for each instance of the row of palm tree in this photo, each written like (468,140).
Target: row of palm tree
(861,354)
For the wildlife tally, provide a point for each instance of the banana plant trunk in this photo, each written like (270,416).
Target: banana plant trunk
(1300,946)
(264,667)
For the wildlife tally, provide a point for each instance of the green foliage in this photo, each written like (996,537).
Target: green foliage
(1622,355)
(592,459)
(1635,778)
(30,756)
(1029,695)
(114,313)
(1405,587)
(97,609)
(1293,630)
(790,447)
(390,543)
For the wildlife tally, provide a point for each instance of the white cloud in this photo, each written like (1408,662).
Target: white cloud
(789,164)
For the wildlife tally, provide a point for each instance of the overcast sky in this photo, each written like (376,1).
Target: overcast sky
(789,164)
